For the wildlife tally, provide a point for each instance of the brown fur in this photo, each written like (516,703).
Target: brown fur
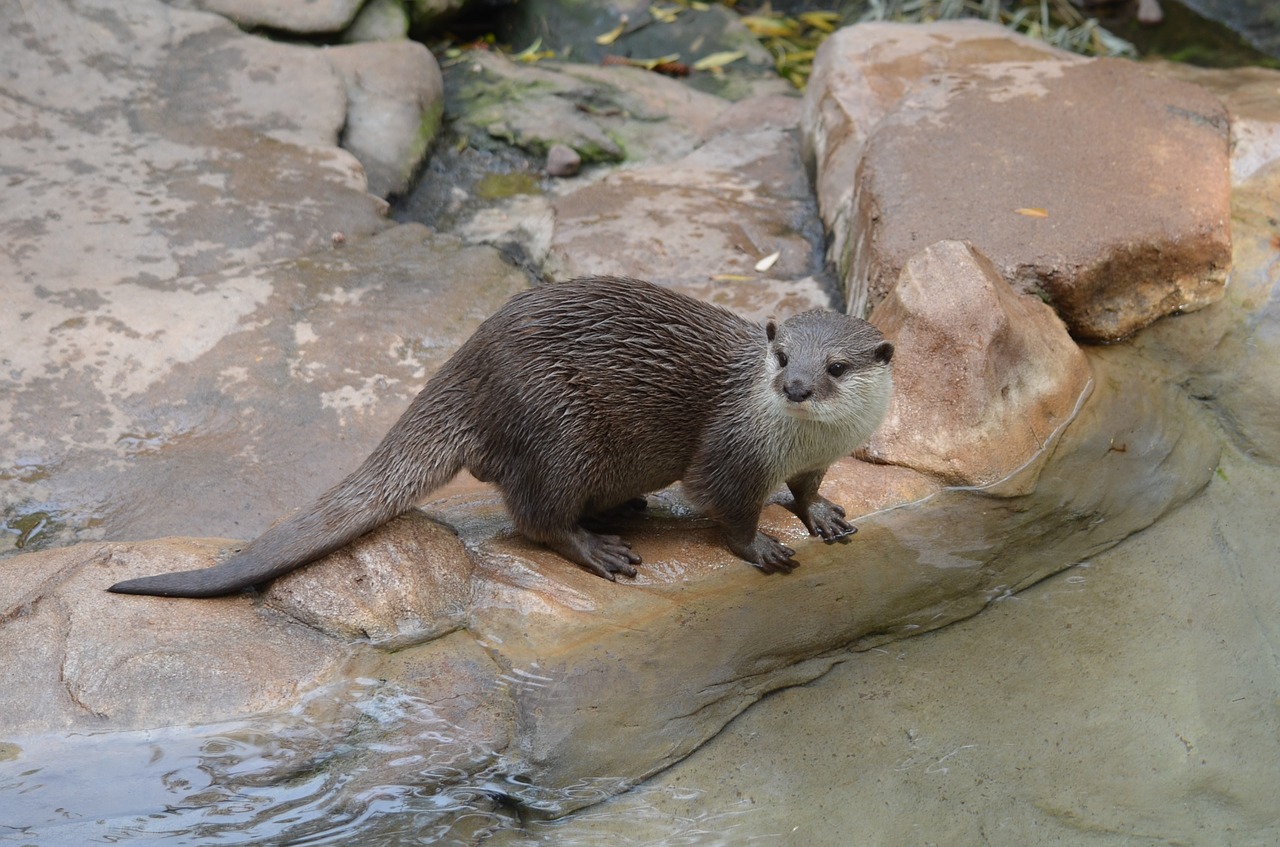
(576,397)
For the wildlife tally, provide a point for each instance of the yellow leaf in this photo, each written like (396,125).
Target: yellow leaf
(650,64)
(825,21)
(1033,213)
(612,35)
(664,14)
(718,60)
(763,27)
(730,278)
(532,53)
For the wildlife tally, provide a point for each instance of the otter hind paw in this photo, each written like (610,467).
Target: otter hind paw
(603,555)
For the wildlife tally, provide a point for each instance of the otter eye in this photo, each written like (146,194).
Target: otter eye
(837,368)
(782,359)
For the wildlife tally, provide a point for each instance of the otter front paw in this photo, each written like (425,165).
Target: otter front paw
(826,520)
(769,554)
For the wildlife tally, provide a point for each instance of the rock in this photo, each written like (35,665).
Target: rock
(863,73)
(395,104)
(426,16)
(140,665)
(279,326)
(703,223)
(300,16)
(404,585)
(984,378)
(563,161)
(1115,210)
(1249,97)
(274,363)
(378,20)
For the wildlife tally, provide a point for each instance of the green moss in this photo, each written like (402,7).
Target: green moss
(498,186)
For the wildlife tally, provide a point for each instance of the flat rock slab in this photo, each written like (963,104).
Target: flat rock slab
(1098,185)
(257,392)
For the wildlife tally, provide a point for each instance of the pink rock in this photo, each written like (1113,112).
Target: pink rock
(984,377)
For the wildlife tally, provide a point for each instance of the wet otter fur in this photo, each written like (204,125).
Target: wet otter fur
(576,397)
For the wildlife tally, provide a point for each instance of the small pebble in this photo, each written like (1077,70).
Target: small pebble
(563,161)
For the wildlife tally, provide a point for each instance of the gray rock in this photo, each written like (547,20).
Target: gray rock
(563,161)
(301,16)
(379,20)
(283,327)
(395,101)
(703,222)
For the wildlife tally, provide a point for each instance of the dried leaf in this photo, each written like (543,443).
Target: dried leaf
(763,27)
(613,34)
(1033,213)
(824,21)
(664,14)
(718,60)
(730,278)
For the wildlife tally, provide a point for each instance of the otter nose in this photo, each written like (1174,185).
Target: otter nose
(797,391)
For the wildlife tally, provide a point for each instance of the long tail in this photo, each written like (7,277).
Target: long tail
(419,454)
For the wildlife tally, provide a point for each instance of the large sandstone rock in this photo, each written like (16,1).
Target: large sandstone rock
(861,75)
(1113,207)
(983,378)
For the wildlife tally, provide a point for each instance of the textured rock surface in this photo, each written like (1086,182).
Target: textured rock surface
(985,377)
(264,356)
(300,16)
(1114,208)
(395,100)
(862,74)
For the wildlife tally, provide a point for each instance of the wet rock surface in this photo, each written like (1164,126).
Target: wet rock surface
(263,357)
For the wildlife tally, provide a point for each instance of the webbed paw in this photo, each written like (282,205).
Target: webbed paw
(826,520)
(603,555)
(769,554)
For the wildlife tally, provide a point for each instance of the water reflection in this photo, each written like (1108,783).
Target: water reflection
(247,783)
(302,778)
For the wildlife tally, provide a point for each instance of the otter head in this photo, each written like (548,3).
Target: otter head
(829,367)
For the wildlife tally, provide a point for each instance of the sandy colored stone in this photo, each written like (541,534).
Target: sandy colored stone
(1116,210)
(1250,97)
(404,583)
(862,73)
(379,20)
(984,377)
(701,223)
(395,103)
(129,665)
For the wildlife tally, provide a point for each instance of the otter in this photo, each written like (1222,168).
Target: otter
(577,397)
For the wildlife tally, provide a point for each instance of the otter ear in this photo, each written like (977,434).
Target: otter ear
(883,352)
(771,329)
